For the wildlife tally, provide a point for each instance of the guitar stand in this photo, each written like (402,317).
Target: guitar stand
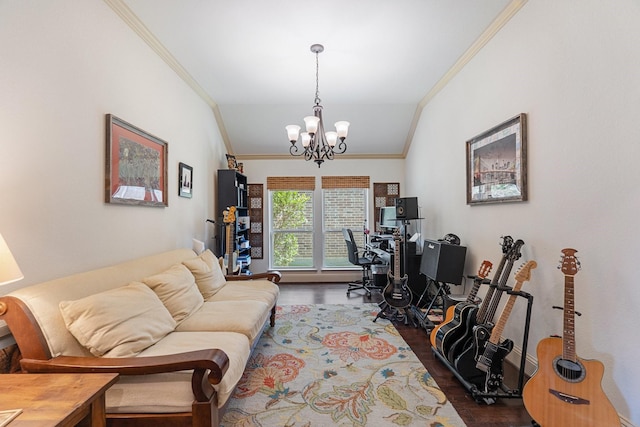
(423,319)
(489,398)
(392,313)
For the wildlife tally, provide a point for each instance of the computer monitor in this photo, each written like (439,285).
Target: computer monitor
(388,221)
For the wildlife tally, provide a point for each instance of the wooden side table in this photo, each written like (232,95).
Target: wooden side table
(56,399)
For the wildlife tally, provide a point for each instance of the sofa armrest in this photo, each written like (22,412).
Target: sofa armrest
(215,361)
(272,276)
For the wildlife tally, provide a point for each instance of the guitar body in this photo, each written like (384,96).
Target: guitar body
(466,362)
(462,337)
(396,293)
(493,361)
(449,316)
(552,400)
(452,332)
(446,333)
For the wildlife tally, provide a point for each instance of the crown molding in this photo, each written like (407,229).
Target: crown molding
(501,20)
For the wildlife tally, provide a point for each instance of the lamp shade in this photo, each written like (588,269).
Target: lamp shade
(9,270)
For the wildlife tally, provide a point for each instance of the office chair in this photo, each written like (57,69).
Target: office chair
(356,257)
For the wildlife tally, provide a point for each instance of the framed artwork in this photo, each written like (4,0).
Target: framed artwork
(136,166)
(497,164)
(185,180)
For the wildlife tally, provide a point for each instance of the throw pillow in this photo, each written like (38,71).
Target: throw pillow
(176,288)
(119,322)
(209,276)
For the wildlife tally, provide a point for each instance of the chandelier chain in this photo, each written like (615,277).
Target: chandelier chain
(317,100)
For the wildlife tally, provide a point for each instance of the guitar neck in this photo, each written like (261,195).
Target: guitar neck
(482,312)
(396,259)
(568,335)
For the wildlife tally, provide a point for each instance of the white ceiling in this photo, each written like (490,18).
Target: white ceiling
(250,60)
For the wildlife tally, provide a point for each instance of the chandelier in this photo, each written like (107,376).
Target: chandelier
(318,145)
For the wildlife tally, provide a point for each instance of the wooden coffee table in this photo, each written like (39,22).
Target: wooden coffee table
(55,399)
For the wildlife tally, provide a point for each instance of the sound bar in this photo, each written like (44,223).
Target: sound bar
(443,262)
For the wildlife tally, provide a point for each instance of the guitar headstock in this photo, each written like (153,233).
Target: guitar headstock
(570,264)
(507,243)
(396,235)
(524,274)
(229,215)
(485,268)
(514,252)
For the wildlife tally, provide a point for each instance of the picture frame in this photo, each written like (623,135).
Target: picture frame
(135,166)
(185,180)
(497,163)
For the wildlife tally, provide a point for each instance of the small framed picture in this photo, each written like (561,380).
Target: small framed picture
(185,183)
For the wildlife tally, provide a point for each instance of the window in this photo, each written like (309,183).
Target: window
(342,208)
(298,240)
(291,228)
(291,221)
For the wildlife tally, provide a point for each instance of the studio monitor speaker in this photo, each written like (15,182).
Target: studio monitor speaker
(443,262)
(407,208)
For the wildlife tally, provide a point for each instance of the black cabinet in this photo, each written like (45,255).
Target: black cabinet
(232,191)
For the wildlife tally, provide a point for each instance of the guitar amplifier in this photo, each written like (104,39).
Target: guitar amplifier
(443,262)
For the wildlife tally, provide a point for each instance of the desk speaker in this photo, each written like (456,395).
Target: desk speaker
(443,262)
(407,208)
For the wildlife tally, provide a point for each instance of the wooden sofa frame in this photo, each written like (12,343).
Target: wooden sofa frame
(208,366)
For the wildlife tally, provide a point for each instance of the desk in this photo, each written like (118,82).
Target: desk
(56,399)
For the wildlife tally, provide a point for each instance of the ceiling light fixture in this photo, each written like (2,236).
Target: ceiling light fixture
(317,144)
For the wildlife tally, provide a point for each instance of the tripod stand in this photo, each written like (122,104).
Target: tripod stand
(436,298)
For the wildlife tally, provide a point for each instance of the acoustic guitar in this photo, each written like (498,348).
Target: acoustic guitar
(457,314)
(565,390)
(491,359)
(397,293)
(231,257)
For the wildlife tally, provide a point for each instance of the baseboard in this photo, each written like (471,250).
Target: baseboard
(531,364)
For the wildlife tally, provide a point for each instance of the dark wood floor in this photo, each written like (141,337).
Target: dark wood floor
(503,413)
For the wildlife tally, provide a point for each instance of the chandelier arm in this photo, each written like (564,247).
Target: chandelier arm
(342,147)
(293,150)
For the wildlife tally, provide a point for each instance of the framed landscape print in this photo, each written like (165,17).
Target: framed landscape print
(136,166)
(497,164)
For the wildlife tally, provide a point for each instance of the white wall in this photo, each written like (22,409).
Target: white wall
(573,68)
(257,172)
(65,64)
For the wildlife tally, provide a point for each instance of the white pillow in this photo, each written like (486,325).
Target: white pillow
(119,322)
(209,276)
(176,288)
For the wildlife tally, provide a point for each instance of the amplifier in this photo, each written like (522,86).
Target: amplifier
(443,262)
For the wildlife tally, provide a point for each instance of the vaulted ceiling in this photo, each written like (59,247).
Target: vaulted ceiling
(250,60)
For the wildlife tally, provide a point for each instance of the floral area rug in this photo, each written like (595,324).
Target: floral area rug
(324,365)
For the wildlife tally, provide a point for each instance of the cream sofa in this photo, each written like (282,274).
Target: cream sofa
(175,328)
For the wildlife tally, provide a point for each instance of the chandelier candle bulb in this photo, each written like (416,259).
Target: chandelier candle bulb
(318,145)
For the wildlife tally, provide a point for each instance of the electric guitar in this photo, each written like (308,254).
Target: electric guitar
(231,257)
(565,390)
(476,315)
(479,329)
(396,293)
(448,331)
(491,359)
